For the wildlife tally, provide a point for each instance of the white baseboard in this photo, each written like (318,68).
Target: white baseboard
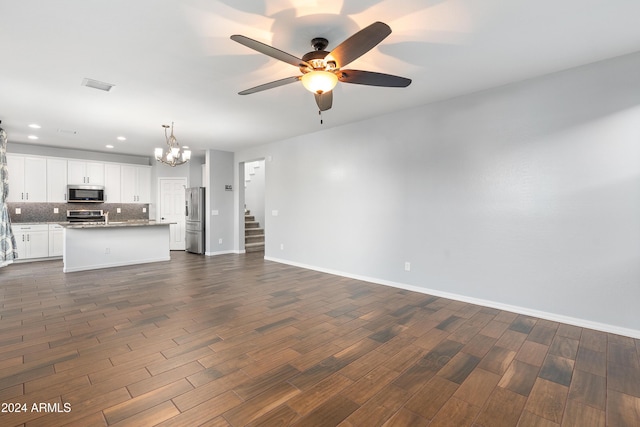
(583,323)
(224,252)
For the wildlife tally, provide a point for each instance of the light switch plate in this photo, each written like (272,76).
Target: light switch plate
(56,210)
(274,213)
(144,210)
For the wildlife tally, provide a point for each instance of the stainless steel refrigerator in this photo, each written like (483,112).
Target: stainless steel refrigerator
(194,211)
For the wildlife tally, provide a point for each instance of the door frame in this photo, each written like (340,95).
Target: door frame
(241,202)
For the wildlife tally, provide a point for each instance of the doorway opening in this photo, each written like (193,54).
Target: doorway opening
(253,226)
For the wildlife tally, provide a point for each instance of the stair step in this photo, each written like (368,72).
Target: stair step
(254,247)
(253,231)
(251,224)
(249,218)
(256,238)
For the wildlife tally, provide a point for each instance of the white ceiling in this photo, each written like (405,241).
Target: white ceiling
(172,60)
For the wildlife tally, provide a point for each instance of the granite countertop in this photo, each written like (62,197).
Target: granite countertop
(39,223)
(113,224)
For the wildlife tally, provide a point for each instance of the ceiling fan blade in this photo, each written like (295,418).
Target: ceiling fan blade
(359,43)
(372,79)
(324,100)
(270,85)
(269,51)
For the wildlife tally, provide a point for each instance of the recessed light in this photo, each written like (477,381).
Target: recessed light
(109,146)
(32,137)
(34,126)
(121,138)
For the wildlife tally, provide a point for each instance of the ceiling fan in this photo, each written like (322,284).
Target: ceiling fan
(321,70)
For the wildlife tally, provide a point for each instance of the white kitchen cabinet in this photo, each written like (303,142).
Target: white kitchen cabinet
(112,183)
(27,178)
(32,240)
(144,184)
(56,238)
(136,184)
(56,180)
(81,172)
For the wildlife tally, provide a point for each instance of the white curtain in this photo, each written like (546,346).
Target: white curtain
(8,250)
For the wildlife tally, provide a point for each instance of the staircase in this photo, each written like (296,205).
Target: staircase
(253,234)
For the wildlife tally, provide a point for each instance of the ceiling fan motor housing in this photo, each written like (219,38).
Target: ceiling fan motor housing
(317,57)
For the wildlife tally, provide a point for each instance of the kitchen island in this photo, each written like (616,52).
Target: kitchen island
(93,246)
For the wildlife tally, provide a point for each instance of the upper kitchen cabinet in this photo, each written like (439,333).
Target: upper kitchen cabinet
(112,183)
(28,178)
(136,184)
(56,180)
(81,172)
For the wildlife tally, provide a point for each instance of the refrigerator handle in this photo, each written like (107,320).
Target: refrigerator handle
(186,210)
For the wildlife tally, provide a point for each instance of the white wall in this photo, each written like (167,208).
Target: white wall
(525,196)
(191,170)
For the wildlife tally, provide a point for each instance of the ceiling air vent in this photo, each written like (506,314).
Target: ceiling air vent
(95,84)
(67,131)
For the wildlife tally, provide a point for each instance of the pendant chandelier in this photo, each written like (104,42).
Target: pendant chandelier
(174,154)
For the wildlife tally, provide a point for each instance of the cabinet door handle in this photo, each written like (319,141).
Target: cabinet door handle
(28,237)
(27,196)
(21,196)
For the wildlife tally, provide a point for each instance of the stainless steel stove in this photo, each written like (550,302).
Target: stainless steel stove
(86,216)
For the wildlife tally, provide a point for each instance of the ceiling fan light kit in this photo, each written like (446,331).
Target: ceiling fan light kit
(319,81)
(321,70)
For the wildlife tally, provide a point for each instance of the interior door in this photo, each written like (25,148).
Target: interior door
(171,209)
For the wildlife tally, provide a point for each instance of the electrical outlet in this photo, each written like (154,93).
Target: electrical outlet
(56,210)
(407,266)
(18,211)
(144,210)
(118,210)
(219,241)
(282,246)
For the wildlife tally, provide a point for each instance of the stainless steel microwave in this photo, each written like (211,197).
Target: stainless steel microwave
(85,193)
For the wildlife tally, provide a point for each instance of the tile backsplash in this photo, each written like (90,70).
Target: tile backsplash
(44,212)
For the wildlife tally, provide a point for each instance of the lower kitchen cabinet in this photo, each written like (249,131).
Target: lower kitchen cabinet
(32,240)
(56,239)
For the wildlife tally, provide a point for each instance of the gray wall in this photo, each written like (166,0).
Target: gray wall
(220,226)
(525,196)
(40,150)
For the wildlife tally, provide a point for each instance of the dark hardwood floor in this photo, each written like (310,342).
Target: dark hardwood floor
(236,340)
